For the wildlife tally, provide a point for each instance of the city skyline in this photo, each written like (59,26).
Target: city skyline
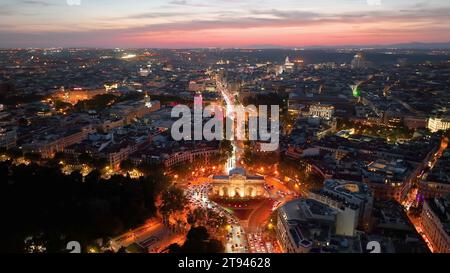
(225,127)
(191,24)
(361,147)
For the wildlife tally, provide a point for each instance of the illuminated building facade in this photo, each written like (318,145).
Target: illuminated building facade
(321,111)
(436,223)
(189,156)
(288,65)
(77,94)
(238,185)
(8,137)
(437,124)
(129,111)
(359,62)
(50,144)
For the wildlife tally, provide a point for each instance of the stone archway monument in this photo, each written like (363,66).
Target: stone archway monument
(238,185)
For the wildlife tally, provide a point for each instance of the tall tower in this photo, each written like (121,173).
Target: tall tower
(147,101)
(358,61)
(288,66)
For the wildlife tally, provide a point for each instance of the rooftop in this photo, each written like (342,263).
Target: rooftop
(441,207)
(308,221)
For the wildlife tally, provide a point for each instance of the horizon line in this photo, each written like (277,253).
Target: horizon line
(254,47)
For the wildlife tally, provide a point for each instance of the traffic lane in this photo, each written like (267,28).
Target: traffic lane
(164,244)
(260,215)
(236,242)
(198,197)
(272,181)
(156,235)
(133,235)
(258,244)
(286,186)
(159,239)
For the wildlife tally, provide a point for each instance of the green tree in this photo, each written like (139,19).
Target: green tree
(198,241)
(127,165)
(93,177)
(173,200)
(14,153)
(33,156)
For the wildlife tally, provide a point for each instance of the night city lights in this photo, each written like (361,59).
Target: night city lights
(246,131)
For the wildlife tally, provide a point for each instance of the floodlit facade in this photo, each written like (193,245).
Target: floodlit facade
(321,111)
(438,124)
(436,223)
(238,185)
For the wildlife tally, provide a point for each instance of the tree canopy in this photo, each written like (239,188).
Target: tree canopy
(41,203)
(198,241)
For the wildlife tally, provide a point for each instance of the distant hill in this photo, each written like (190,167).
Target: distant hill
(418,45)
(413,45)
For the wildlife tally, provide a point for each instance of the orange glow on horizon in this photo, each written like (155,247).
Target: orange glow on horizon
(326,35)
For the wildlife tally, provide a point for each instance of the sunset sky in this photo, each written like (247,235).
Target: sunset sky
(221,23)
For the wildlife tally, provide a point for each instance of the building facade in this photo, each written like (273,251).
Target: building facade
(8,137)
(321,111)
(437,124)
(435,220)
(238,185)
(352,200)
(189,156)
(304,224)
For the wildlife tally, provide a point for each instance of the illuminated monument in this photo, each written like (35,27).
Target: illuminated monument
(238,185)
